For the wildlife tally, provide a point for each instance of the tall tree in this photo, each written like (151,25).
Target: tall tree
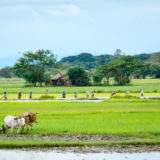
(32,66)
(78,76)
(155,70)
(122,68)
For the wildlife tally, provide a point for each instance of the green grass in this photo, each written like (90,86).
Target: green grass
(135,118)
(12,143)
(119,117)
(13,86)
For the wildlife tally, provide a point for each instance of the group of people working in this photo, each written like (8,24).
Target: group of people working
(64,94)
(19,95)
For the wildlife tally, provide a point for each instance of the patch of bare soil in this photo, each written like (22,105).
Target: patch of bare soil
(66,137)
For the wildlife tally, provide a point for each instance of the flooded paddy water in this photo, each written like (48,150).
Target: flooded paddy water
(66,155)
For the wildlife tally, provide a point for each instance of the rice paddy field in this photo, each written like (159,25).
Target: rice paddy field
(151,87)
(111,122)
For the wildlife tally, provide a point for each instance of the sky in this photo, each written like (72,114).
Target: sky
(70,27)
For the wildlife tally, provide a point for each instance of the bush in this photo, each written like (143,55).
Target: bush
(127,96)
(47,97)
(155,90)
(99,91)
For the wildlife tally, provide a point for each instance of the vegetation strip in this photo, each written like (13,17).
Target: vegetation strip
(11,143)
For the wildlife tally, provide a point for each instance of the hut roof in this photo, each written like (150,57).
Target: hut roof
(59,75)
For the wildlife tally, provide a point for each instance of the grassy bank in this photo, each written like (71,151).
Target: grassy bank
(11,143)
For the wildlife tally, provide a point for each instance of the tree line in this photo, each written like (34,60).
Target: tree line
(37,68)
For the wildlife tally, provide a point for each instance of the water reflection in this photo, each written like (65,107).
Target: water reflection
(55,155)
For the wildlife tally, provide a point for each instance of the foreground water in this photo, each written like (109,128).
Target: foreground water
(59,155)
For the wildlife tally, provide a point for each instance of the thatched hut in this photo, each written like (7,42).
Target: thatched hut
(60,79)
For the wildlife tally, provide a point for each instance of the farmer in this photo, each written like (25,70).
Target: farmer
(142,93)
(5,95)
(30,95)
(113,93)
(19,95)
(92,94)
(87,93)
(63,94)
(127,92)
(75,94)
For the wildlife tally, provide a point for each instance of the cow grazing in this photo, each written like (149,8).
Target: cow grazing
(13,122)
(30,118)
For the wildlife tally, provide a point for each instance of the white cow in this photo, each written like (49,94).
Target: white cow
(13,122)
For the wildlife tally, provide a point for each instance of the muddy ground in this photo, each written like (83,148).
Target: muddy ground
(91,138)
(66,137)
(103,149)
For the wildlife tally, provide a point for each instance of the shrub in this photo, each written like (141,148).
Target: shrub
(99,91)
(47,97)
(155,90)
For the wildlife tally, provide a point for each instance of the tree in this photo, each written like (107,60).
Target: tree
(142,71)
(47,78)
(32,66)
(119,52)
(7,72)
(78,76)
(122,68)
(155,70)
(97,75)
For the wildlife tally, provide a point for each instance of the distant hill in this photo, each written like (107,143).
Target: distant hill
(88,61)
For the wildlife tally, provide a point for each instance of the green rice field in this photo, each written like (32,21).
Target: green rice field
(151,87)
(119,117)
(136,118)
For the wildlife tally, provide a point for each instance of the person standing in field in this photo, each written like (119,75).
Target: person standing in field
(5,95)
(92,94)
(75,94)
(19,95)
(127,92)
(30,95)
(142,93)
(46,92)
(87,93)
(63,94)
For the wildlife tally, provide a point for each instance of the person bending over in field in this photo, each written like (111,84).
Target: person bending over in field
(113,93)
(63,94)
(5,95)
(19,95)
(87,93)
(75,94)
(142,93)
(30,95)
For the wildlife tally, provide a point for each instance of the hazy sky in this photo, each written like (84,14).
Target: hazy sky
(69,27)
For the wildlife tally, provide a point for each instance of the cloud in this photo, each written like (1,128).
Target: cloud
(65,10)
